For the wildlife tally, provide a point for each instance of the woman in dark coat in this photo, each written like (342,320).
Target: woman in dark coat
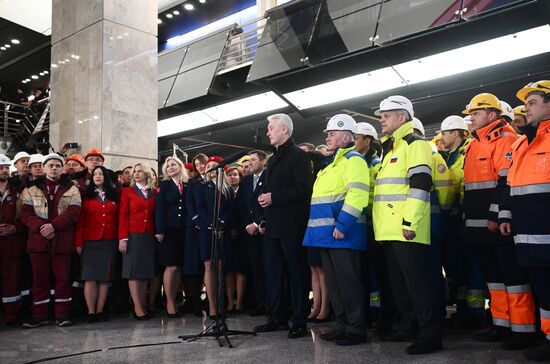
(96,239)
(170,214)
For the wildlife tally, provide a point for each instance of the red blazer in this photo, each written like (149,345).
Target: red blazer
(136,214)
(98,220)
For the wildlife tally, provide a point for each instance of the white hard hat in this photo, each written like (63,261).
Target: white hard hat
(341,122)
(366,129)
(507,110)
(53,156)
(36,158)
(4,160)
(453,122)
(20,155)
(468,119)
(395,103)
(417,124)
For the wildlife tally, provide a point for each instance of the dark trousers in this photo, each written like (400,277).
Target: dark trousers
(254,249)
(10,286)
(120,293)
(43,265)
(416,287)
(279,256)
(377,265)
(342,268)
(540,281)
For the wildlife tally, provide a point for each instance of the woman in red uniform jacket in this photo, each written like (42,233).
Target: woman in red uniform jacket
(137,236)
(96,239)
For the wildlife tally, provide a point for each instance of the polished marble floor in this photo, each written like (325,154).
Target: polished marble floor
(124,340)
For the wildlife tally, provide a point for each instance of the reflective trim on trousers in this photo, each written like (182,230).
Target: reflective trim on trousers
(471,186)
(544,313)
(532,239)
(77,284)
(328,199)
(419,194)
(496,286)
(26,292)
(523,328)
(41,302)
(52,292)
(530,189)
(493,208)
(503,172)
(476,223)
(390,197)
(358,185)
(351,210)
(12,299)
(61,300)
(505,214)
(475,298)
(392,181)
(419,169)
(501,322)
(327,221)
(522,288)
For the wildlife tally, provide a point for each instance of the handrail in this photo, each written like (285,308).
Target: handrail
(20,123)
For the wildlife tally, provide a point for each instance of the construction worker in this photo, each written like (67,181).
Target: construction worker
(401,213)
(462,270)
(486,166)
(529,179)
(507,111)
(519,119)
(337,225)
(376,280)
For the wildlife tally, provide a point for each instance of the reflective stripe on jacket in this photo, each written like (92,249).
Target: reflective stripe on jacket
(339,200)
(402,187)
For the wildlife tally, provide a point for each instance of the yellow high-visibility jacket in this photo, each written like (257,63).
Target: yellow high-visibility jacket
(402,187)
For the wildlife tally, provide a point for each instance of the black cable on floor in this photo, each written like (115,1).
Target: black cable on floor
(100,350)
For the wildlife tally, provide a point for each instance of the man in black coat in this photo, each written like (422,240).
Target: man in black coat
(251,216)
(285,203)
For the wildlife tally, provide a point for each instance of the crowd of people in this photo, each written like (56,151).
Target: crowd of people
(383,232)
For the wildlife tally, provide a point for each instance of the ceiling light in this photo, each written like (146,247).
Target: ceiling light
(34,77)
(202,1)
(41,73)
(180,123)
(67,60)
(188,6)
(17,120)
(15,41)
(24,81)
(7,45)
(159,21)
(46,72)
(54,65)
(3,48)
(175,12)
(169,16)
(346,88)
(28,80)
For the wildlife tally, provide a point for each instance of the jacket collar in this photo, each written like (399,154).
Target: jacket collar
(483,133)
(283,147)
(401,132)
(531,131)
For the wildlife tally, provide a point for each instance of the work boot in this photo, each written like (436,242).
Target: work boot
(495,334)
(539,353)
(519,341)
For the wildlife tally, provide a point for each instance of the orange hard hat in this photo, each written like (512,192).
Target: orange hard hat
(94,152)
(77,158)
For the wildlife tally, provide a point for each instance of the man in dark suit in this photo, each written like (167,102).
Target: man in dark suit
(251,214)
(285,202)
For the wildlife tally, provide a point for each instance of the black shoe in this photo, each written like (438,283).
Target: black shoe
(33,323)
(423,347)
(331,335)
(517,341)
(256,312)
(102,316)
(141,318)
(493,335)
(271,326)
(539,353)
(322,321)
(91,318)
(398,337)
(173,315)
(348,339)
(297,331)
(63,322)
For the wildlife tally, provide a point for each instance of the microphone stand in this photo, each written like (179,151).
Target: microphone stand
(218,328)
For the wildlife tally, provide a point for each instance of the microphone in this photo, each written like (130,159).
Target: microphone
(229,160)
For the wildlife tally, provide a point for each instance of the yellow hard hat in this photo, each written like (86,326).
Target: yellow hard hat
(540,86)
(483,101)
(437,138)
(246,158)
(519,110)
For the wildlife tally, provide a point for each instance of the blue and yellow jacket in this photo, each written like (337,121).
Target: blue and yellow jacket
(339,200)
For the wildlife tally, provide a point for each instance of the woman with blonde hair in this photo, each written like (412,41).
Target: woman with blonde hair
(206,216)
(137,240)
(170,215)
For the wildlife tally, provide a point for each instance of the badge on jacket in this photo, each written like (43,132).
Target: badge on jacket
(393,160)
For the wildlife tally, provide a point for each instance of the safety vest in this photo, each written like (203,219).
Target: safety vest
(339,200)
(529,180)
(442,194)
(402,187)
(455,162)
(486,166)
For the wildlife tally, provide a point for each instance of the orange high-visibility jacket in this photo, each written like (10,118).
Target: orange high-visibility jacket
(488,159)
(529,181)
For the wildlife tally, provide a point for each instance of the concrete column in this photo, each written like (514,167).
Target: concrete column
(263,5)
(104,78)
